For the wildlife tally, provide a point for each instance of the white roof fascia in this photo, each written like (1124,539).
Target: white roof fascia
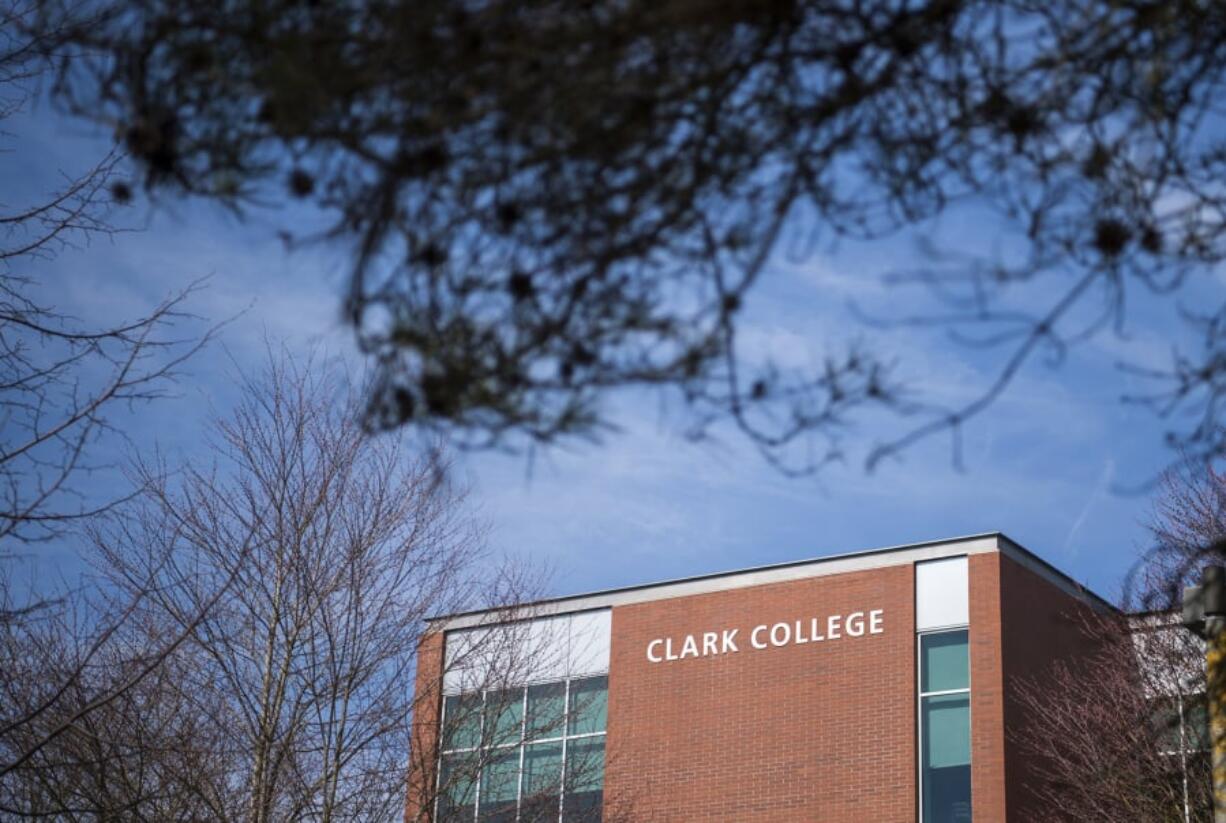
(728,581)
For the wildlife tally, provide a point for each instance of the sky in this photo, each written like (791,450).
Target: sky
(1058,463)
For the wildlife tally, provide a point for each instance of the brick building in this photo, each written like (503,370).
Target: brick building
(872,686)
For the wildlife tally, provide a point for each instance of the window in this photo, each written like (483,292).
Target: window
(525,755)
(945,727)
(1179,728)
(1180,724)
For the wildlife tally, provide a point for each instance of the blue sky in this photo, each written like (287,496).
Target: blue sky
(1045,465)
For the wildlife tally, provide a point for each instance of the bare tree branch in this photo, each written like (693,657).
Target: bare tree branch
(548,202)
(293,564)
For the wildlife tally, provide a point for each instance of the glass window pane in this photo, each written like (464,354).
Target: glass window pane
(542,768)
(499,785)
(584,764)
(584,794)
(462,721)
(589,704)
(546,710)
(542,782)
(457,788)
(504,711)
(944,662)
(539,809)
(1195,723)
(1164,724)
(583,807)
(946,758)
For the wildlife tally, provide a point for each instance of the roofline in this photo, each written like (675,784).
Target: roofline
(1155,612)
(1051,569)
(779,572)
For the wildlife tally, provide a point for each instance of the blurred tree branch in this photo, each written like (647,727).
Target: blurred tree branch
(548,201)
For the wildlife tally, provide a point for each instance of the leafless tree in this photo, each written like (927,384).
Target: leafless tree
(299,556)
(63,385)
(144,753)
(66,383)
(547,201)
(64,659)
(1189,533)
(81,207)
(1121,733)
(63,379)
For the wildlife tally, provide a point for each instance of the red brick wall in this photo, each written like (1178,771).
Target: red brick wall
(1020,625)
(1040,625)
(987,690)
(814,732)
(427,710)
(821,732)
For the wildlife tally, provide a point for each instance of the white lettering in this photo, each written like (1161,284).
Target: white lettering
(787,634)
(767,635)
(832,627)
(753,638)
(855,624)
(689,648)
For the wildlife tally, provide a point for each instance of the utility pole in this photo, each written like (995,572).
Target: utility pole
(1204,611)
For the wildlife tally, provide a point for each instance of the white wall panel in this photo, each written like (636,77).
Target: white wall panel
(942,593)
(527,651)
(590,634)
(543,654)
(1171,659)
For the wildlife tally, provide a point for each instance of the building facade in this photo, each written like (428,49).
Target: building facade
(873,686)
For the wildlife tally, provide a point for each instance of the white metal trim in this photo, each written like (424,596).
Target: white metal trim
(822,567)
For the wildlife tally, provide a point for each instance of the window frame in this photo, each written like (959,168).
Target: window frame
(521,742)
(921,695)
(1184,704)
